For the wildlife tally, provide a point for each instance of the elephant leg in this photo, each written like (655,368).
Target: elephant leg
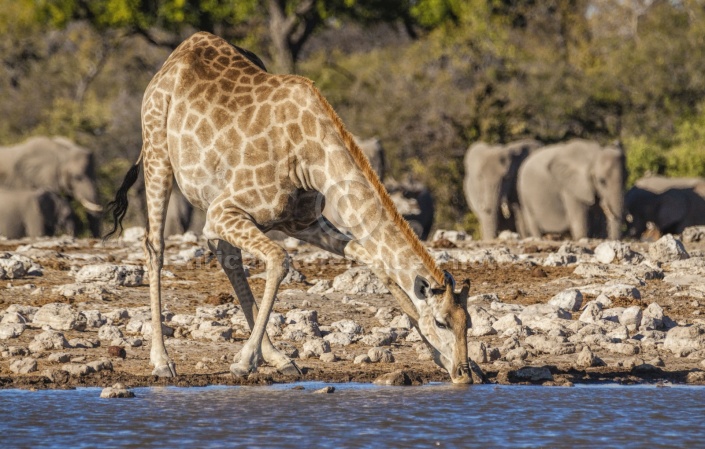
(577,214)
(230,259)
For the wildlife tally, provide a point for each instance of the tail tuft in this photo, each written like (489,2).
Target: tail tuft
(118,207)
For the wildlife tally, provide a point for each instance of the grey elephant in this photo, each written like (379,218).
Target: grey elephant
(374,151)
(561,185)
(34,213)
(490,184)
(671,204)
(181,216)
(56,165)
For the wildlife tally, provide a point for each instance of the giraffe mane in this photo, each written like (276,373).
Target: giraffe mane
(364,164)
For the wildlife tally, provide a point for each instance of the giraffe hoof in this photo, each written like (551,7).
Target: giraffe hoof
(290,369)
(238,370)
(168,370)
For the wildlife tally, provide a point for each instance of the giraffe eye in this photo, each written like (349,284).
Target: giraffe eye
(441,325)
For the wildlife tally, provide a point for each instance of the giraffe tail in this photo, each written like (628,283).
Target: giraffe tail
(118,207)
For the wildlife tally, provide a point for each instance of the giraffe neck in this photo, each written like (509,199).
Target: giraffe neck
(354,191)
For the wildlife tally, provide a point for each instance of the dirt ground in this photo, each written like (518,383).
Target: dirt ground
(202,282)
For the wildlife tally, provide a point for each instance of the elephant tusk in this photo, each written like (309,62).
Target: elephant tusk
(91,207)
(506,213)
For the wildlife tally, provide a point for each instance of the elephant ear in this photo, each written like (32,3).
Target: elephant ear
(573,178)
(36,168)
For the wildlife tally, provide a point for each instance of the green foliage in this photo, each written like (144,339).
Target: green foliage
(643,158)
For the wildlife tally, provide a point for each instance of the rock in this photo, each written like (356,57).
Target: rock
(59,357)
(453,236)
(109,332)
(325,390)
(613,251)
(339,338)
(481,321)
(47,341)
(545,310)
(384,315)
(667,249)
(401,322)
(398,378)
(379,337)
(516,354)
(116,391)
(530,374)
(693,234)
(570,299)
(321,286)
(328,357)
(592,313)
(116,275)
(25,313)
(147,330)
(117,351)
(93,291)
(477,351)
(695,377)
(508,321)
(587,359)
(83,343)
(11,268)
(101,365)
(631,318)
(317,346)
(652,317)
(77,370)
(348,326)
(380,355)
(213,332)
(60,317)
(94,319)
(682,340)
(559,260)
(550,344)
(24,366)
(8,331)
(359,280)
(362,358)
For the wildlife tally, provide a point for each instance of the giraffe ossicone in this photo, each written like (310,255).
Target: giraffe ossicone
(257,152)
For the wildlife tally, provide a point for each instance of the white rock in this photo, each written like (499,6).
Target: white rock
(340,338)
(631,318)
(693,234)
(477,351)
(48,340)
(59,357)
(545,310)
(401,322)
(348,326)
(207,331)
(321,286)
(133,234)
(614,251)
(592,313)
(382,355)
(359,280)
(453,236)
(652,317)
(117,275)
(570,299)
(683,340)
(587,359)
(27,312)
(94,291)
(11,330)
(94,319)
(60,317)
(317,346)
(362,358)
(507,321)
(24,366)
(666,249)
(11,268)
(559,260)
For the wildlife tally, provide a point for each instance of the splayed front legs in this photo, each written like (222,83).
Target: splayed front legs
(230,259)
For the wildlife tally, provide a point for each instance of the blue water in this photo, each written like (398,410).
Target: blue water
(358,416)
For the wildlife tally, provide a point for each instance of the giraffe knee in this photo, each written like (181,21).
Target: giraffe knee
(277,262)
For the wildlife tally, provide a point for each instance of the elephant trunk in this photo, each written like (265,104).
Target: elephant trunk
(614,211)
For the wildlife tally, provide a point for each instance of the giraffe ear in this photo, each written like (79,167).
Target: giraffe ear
(422,288)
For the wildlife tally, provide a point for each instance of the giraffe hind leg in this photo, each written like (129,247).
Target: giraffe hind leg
(158,175)
(230,259)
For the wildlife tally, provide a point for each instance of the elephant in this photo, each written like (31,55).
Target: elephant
(181,216)
(57,165)
(560,186)
(375,153)
(490,184)
(671,204)
(34,213)
(415,203)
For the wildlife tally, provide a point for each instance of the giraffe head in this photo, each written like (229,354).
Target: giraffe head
(442,322)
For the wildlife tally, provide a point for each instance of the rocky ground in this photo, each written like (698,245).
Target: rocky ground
(75,313)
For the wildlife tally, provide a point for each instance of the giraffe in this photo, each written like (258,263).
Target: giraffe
(258,152)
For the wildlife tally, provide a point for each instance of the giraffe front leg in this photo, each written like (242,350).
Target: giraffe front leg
(230,259)
(227,222)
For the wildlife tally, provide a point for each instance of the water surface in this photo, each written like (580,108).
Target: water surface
(358,416)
